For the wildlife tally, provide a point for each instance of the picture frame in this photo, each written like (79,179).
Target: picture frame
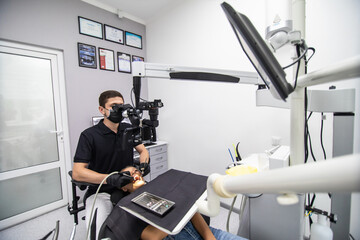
(137,59)
(133,40)
(90,28)
(106,59)
(113,34)
(124,62)
(87,55)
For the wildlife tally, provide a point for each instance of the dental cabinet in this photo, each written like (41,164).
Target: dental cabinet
(158,159)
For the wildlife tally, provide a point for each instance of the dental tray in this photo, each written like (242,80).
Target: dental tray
(153,203)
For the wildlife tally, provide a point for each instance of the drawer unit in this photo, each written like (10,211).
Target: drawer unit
(158,160)
(158,167)
(157,149)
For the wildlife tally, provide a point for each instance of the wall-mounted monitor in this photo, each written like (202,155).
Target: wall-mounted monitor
(258,52)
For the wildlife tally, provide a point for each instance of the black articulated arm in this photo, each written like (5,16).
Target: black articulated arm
(204,76)
(137,89)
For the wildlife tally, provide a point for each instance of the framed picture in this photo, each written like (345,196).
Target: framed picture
(124,62)
(90,28)
(106,59)
(113,34)
(87,55)
(137,59)
(133,40)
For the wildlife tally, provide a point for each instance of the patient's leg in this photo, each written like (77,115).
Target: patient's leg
(152,233)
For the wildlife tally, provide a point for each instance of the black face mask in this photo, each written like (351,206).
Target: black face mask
(116,113)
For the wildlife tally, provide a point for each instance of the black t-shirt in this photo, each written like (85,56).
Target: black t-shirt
(105,151)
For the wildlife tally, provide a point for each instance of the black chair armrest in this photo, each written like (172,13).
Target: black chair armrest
(81,185)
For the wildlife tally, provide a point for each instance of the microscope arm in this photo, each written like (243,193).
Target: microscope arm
(154,70)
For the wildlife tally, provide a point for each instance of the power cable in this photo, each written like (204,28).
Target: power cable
(309,138)
(321,134)
(229,214)
(298,65)
(302,45)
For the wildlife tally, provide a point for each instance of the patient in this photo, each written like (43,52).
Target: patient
(197,228)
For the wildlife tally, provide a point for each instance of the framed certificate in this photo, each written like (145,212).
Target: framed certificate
(133,40)
(124,62)
(113,34)
(90,28)
(106,59)
(87,55)
(137,59)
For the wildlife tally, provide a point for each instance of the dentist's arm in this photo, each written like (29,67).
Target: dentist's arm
(144,159)
(81,173)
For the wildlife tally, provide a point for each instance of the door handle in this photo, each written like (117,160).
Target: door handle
(58,132)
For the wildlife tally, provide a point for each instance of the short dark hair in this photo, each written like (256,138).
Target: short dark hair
(108,94)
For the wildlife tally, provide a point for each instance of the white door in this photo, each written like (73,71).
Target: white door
(32,143)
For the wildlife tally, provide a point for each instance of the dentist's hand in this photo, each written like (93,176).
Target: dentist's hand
(144,168)
(120,179)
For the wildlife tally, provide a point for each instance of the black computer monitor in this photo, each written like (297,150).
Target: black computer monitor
(259,54)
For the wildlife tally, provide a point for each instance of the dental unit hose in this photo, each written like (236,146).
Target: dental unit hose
(93,205)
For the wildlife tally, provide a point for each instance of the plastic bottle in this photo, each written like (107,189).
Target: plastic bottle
(320,230)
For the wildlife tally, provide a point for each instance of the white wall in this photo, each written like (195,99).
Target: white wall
(201,120)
